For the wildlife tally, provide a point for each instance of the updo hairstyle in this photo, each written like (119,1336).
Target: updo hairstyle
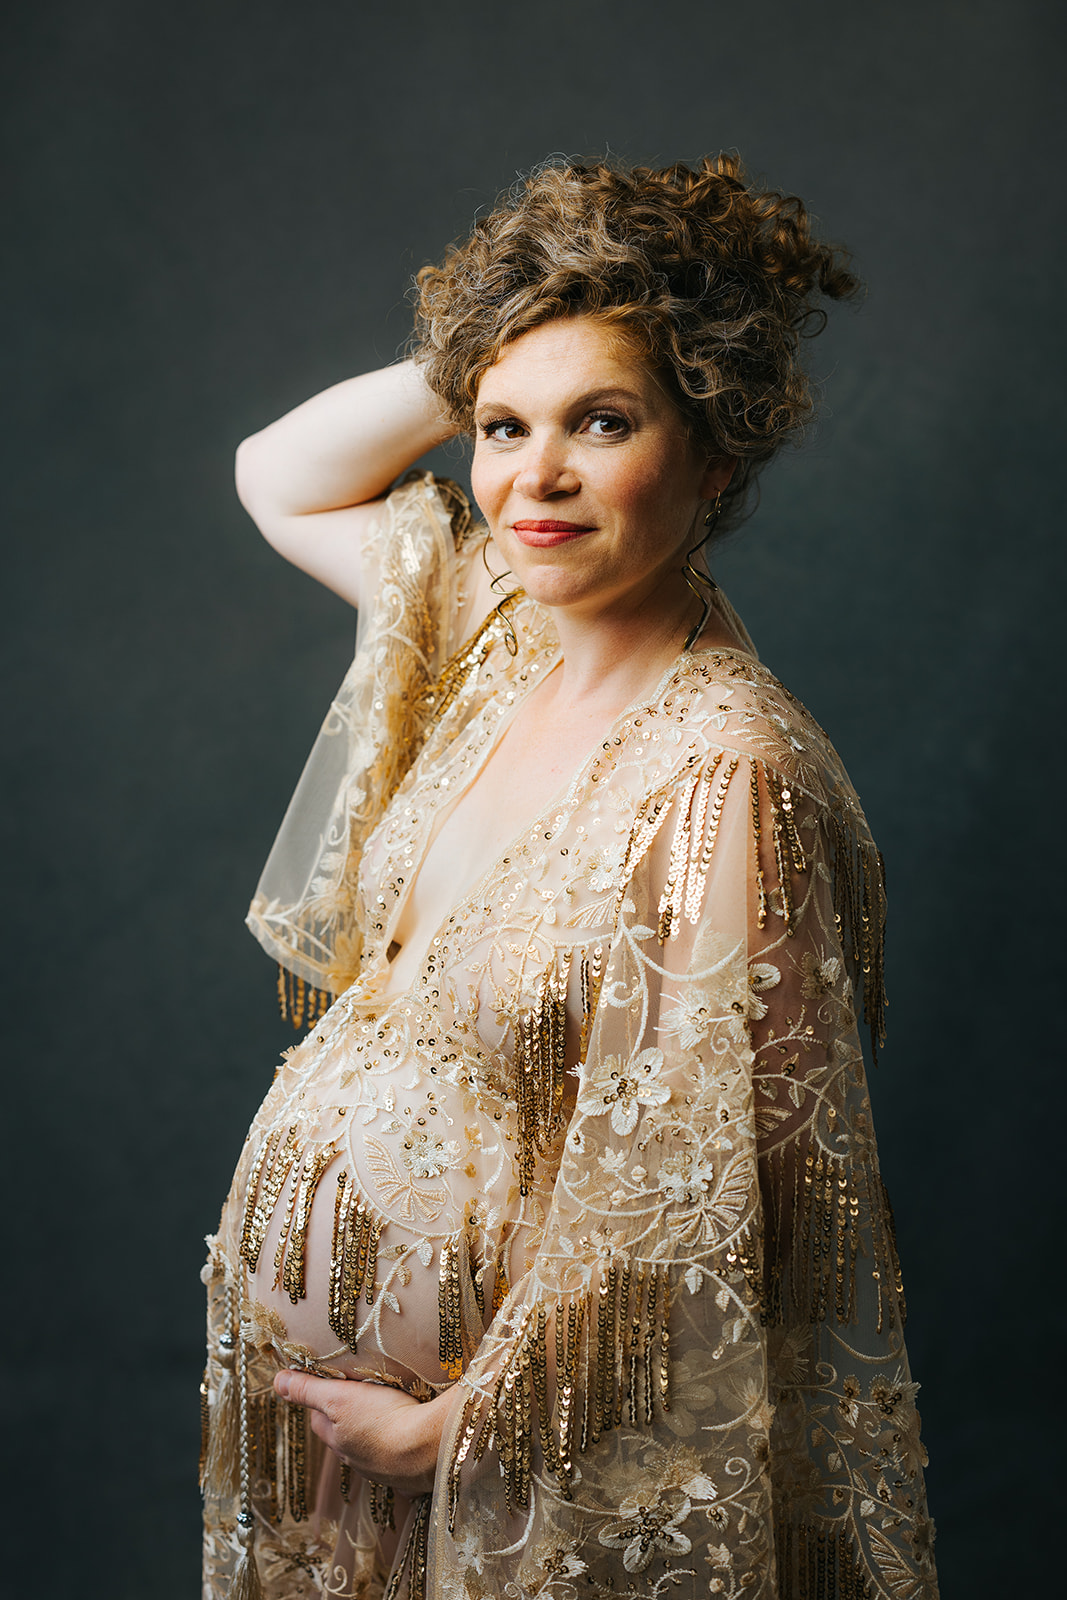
(711,280)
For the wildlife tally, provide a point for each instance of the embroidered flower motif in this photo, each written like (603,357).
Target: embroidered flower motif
(622,1088)
(761,977)
(690,1021)
(469,1551)
(819,976)
(602,867)
(643,1531)
(557,1559)
(683,1178)
(427,1156)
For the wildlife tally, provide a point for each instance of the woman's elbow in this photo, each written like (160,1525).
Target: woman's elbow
(246,473)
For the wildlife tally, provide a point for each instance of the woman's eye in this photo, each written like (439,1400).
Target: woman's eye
(503,431)
(608,425)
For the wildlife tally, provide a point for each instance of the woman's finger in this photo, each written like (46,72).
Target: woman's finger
(302,1389)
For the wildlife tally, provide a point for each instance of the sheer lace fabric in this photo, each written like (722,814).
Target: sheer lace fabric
(601,1151)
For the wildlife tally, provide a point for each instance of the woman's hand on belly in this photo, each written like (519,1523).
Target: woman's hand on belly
(382,1433)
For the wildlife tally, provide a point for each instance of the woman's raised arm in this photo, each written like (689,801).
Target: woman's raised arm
(312,481)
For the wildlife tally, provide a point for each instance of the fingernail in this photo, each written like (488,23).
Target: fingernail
(281,1384)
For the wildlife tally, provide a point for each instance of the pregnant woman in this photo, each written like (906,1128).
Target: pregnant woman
(557,1261)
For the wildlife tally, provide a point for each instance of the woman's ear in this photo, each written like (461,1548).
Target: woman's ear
(717,477)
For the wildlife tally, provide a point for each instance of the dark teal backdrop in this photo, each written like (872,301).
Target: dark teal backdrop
(217,209)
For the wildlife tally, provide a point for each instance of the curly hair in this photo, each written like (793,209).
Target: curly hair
(712,280)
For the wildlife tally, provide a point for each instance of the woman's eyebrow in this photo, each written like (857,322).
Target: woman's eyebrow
(580,402)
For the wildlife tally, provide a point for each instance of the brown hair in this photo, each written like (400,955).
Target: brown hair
(711,278)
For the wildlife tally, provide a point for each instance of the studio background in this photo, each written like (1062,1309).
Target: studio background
(218,210)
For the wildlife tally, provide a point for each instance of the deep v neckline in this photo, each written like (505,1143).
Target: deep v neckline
(560,800)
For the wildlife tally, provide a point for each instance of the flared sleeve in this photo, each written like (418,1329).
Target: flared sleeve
(304,909)
(701,1385)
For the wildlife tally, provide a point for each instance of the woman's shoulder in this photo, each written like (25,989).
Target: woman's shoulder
(738,704)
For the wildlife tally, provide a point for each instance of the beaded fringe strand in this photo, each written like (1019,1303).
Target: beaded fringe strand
(611,1347)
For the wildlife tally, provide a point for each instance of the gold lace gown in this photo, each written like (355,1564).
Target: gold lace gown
(602,1152)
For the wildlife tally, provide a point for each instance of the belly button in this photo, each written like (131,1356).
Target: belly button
(393,951)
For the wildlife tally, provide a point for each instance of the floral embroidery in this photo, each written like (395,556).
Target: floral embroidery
(622,1088)
(427,1156)
(643,1531)
(820,974)
(761,977)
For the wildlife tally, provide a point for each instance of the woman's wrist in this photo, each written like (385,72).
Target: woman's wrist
(428,1422)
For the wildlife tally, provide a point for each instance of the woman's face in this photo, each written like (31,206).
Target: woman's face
(584,473)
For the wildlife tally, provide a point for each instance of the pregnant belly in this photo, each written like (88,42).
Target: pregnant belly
(362,1299)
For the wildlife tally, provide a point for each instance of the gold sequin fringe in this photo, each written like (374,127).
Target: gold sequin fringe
(461,670)
(591,973)
(819,1564)
(353,1259)
(461,1302)
(822,1223)
(282,1164)
(698,800)
(413,1562)
(540,1066)
(651,815)
(382,1509)
(540,1053)
(299,1001)
(699,805)
(455,502)
(859,911)
(454,1262)
(612,1364)
(279,1453)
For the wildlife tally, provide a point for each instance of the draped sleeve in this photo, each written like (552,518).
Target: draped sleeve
(303,912)
(701,1384)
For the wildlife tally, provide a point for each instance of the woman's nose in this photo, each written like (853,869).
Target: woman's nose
(546,470)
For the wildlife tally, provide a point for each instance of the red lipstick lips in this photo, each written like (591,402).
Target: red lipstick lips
(544,533)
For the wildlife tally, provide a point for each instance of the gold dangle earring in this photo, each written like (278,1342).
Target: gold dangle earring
(699,579)
(511,643)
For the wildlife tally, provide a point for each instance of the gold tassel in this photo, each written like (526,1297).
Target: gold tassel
(246,1583)
(220,1477)
(221,1462)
